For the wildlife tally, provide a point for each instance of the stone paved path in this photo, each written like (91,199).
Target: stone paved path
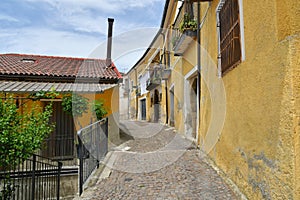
(158,164)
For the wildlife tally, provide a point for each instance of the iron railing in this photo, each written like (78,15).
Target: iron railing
(92,148)
(176,34)
(29,179)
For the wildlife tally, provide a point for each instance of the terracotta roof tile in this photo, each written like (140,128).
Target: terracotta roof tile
(37,65)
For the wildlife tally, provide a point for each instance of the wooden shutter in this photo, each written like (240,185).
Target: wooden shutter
(230,35)
(60,144)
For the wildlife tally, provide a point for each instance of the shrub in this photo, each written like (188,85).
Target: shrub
(99,109)
(22,134)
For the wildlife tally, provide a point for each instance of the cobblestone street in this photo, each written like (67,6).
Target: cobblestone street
(158,164)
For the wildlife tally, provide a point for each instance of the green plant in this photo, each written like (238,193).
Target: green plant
(22,134)
(44,95)
(187,23)
(99,109)
(74,104)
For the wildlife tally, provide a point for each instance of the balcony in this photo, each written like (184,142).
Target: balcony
(153,83)
(184,33)
(181,41)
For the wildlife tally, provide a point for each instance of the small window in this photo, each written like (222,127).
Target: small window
(230,51)
(28,60)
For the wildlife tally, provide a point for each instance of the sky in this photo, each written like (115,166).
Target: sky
(78,28)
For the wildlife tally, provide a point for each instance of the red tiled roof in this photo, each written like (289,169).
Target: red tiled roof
(59,67)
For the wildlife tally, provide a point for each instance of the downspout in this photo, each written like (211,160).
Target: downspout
(136,96)
(198,66)
(129,99)
(166,83)
(166,88)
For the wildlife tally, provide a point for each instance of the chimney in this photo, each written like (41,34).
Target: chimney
(109,41)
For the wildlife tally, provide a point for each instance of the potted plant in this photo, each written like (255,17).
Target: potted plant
(187,24)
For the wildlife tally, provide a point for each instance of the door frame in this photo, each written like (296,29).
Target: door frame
(140,107)
(187,78)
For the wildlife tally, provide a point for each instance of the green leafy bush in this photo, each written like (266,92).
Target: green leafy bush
(74,104)
(22,134)
(99,109)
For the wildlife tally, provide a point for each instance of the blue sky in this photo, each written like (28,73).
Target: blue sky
(78,28)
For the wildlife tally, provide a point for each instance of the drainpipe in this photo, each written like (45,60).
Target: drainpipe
(166,87)
(136,96)
(198,65)
(167,104)
(166,83)
(128,98)
(198,52)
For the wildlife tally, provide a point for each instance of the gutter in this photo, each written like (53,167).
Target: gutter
(59,79)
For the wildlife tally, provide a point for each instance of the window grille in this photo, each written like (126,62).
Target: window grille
(230,36)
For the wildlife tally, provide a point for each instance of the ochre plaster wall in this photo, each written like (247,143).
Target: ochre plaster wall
(259,145)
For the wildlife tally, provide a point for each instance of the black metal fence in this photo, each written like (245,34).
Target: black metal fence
(33,178)
(93,146)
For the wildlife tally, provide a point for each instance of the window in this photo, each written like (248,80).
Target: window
(230,34)
(28,60)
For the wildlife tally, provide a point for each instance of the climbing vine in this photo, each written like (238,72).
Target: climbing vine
(74,104)
(52,94)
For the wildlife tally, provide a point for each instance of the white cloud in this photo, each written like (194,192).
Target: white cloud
(127,47)
(76,27)
(8,18)
(91,15)
(107,6)
(46,41)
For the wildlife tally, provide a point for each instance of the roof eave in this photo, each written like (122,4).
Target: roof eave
(60,79)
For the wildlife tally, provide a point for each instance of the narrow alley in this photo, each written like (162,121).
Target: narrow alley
(157,164)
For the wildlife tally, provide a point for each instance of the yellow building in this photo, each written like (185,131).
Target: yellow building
(243,107)
(30,78)
(148,77)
